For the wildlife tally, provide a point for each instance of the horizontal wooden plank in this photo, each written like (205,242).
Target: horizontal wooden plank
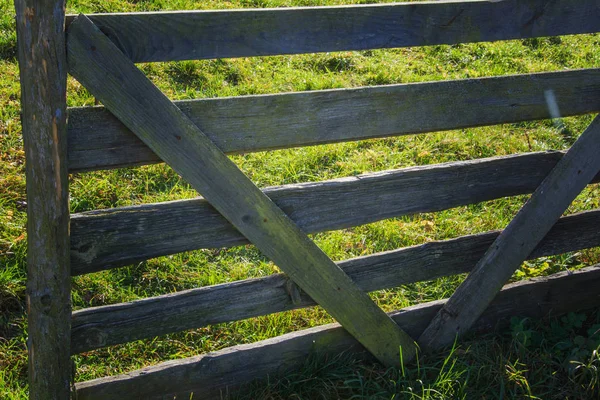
(213,374)
(115,237)
(98,140)
(108,325)
(185,35)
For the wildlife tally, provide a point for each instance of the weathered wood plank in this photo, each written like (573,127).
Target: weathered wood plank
(97,63)
(43,72)
(113,324)
(171,36)
(212,374)
(549,201)
(98,140)
(115,237)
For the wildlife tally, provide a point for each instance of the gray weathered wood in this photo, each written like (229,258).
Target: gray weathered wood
(98,64)
(43,71)
(114,237)
(170,36)
(214,374)
(98,140)
(120,323)
(550,200)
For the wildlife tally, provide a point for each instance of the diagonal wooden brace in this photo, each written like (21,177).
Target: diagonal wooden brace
(550,200)
(110,76)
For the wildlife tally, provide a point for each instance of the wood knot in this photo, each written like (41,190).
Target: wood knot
(46,303)
(447,313)
(294,292)
(46,300)
(29,13)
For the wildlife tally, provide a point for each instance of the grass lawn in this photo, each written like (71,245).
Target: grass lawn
(556,358)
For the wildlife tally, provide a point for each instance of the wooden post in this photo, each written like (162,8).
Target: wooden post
(550,200)
(43,67)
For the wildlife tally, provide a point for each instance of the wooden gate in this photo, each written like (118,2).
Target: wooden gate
(139,125)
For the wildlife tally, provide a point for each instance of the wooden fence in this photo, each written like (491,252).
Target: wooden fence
(138,125)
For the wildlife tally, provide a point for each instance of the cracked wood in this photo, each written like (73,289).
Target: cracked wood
(98,140)
(104,239)
(172,36)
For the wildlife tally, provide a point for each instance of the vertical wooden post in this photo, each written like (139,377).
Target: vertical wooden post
(43,68)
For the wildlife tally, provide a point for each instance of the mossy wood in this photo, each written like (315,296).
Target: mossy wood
(187,35)
(110,238)
(550,200)
(100,66)
(120,323)
(98,140)
(43,74)
(214,374)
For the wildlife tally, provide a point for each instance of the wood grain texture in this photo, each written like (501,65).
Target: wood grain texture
(98,140)
(214,374)
(43,74)
(171,36)
(126,92)
(110,238)
(549,201)
(120,323)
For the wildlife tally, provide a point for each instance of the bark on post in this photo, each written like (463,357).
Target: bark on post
(42,61)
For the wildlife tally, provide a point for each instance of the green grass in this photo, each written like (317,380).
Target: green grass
(532,359)
(523,362)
